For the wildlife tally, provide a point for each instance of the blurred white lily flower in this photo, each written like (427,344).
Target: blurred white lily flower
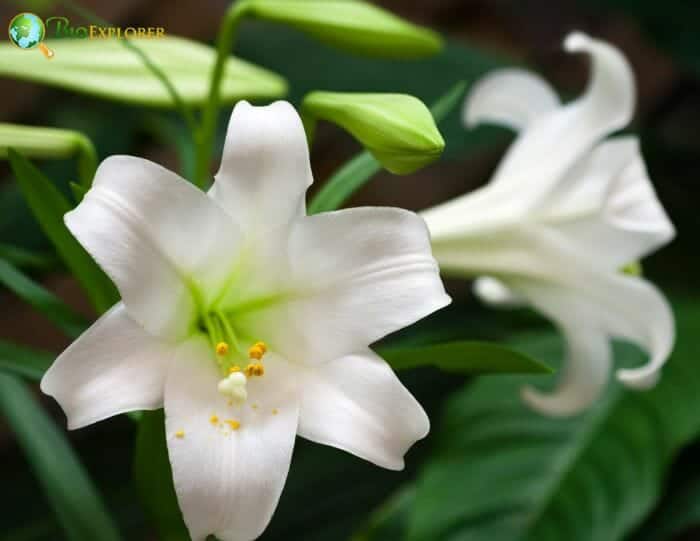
(247,320)
(567,208)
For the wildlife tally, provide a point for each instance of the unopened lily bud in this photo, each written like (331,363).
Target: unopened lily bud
(397,129)
(352,25)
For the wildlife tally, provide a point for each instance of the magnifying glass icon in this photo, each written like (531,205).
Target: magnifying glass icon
(27,31)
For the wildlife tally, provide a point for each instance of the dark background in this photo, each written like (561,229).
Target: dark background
(662,41)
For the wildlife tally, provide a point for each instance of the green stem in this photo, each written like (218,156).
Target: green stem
(87,161)
(207,129)
(229,332)
(179,103)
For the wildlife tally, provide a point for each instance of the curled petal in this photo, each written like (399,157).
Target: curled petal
(265,168)
(550,145)
(229,461)
(609,99)
(621,306)
(510,97)
(357,403)
(151,230)
(114,367)
(585,374)
(650,324)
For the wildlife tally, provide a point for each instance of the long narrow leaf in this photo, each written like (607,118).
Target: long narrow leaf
(74,499)
(154,478)
(360,169)
(49,206)
(24,361)
(22,258)
(464,358)
(43,300)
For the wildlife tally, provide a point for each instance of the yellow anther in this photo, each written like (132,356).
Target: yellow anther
(261,345)
(214,419)
(222,348)
(256,352)
(180,434)
(254,369)
(235,425)
(234,369)
(275,411)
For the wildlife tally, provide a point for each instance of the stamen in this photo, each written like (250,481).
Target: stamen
(180,434)
(234,368)
(222,348)
(234,386)
(214,419)
(255,352)
(254,369)
(235,425)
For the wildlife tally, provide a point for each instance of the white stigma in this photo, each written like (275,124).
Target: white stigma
(234,386)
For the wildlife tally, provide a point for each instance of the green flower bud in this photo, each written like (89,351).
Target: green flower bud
(107,69)
(35,142)
(353,25)
(397,129)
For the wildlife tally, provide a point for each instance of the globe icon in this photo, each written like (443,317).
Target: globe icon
(26,30)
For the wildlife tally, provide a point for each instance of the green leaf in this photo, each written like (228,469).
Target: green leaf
(389,520)
(107,69)
(679,509)
(43,300)
(352,25)
(23,361)
(21,258)
(397,129)
(48,206)
(358,171)
(154,478)
(503,472)
(72,496)
(464,358)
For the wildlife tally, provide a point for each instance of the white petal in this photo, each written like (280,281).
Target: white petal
(228,481)
(494,292)
(359,274)
(554,142)
(154,233)
(585,373)
(356,403)
(265,168)
(511,97)
(608,207)
(609,99)
(114,367)
(624,307)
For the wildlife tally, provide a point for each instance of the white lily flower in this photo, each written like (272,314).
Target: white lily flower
(247,320)
(567,208)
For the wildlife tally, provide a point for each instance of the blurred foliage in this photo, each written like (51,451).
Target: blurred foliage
(592,477)
(500,471)
(70,491)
